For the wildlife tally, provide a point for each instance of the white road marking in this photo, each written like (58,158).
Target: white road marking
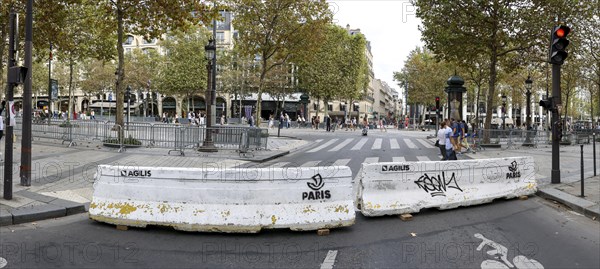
(394,143)
(341,145)
(377,144)
(4,262)
(398,159)
(329,260)
(360,144)
(423,158)
(310,164)
(371,160)
(425,143)
(327,144)
(498,256)
(341,162)
(318,140)
(409,143)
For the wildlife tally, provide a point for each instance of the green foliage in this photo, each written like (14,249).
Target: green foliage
(277,31)
(183,69)
(425,76)
(338,69)
(98,77)
(499,30)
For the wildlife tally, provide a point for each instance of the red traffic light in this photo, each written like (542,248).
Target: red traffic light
(437,99)
(562,31)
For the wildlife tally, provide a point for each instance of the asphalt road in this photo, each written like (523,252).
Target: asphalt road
(531,233)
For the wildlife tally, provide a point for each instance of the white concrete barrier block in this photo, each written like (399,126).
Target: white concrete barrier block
(408,187)
(224,200)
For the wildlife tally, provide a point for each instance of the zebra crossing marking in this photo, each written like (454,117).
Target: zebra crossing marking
(341,145)
(377,144)
(371,160)
(341,162)
(394,143)
(398,159)
(427,144)
(360,144)
(327,144)
(423,158)
(409,143)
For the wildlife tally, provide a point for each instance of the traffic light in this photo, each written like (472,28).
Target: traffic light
(559,43)
(437,103)
(546,104)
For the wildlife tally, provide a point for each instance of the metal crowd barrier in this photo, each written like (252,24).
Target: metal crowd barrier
(157,135)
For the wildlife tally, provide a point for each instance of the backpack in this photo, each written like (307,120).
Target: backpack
(466,128)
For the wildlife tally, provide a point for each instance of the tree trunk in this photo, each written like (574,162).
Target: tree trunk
(491,91)
(477,111)
(71,64)
(120,70)
(566,110)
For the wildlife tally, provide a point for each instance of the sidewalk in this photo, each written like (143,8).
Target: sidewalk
(62,177)
(568,191)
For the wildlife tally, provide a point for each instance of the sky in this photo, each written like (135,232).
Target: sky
(390,25)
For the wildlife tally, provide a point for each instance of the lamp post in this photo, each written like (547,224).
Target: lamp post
(208,144)
(304,99)
(528,86)
(128,98)
(503,112)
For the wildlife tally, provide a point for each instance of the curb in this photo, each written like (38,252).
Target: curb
(578,204)
(50,208)
(268,158)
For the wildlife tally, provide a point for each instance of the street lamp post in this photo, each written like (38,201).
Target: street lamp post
(208,144)
(503,112)
(528,85)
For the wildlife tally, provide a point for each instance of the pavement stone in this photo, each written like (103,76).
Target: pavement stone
(5,217)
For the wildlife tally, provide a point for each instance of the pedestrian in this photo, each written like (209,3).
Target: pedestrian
(93,115)
(441,140)
(317,121)
(353,124)
(448,134)
(287,121)
(223,119)
(327,123)
(271,120)
(251,121)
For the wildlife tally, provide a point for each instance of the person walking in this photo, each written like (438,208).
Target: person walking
(327,123)
(441,138)
(448,134)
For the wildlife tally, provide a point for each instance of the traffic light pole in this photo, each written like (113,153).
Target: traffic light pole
(555,174)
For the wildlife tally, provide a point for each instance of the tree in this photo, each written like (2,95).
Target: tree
(183,70)
(98,77)
(238,75)
(150,19)
(338,69)
(425,76)
(497,29)
(277,31)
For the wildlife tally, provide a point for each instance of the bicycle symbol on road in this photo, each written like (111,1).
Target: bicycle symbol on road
(500,253)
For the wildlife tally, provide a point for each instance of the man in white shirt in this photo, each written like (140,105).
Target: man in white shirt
(441,137)
(450,155)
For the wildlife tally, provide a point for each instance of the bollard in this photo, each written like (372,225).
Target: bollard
(594,138)
(582,179)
